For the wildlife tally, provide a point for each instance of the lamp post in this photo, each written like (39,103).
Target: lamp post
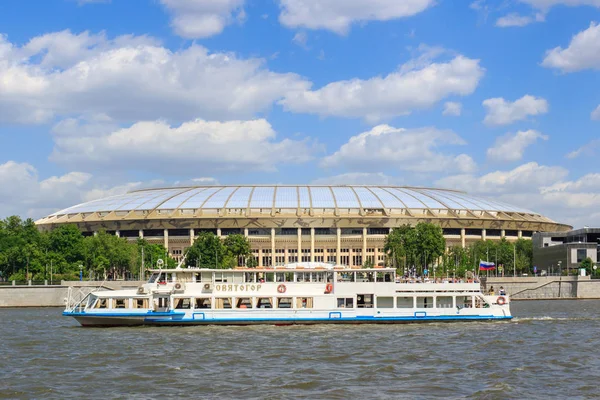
(560,268)
(80,272)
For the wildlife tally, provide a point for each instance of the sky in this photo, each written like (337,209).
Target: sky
(495,98)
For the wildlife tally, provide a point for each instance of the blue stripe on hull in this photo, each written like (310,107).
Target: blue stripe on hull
(176,319)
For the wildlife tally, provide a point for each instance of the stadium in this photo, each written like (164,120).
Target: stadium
(345,224)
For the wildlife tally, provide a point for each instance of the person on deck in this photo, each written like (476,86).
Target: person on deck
(502,291)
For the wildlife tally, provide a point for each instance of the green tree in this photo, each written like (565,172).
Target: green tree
(431,243)
(587,263)
(237,247)
(251,262)
(400,246)
(208,252)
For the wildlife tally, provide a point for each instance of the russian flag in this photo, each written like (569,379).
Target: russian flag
(486,266)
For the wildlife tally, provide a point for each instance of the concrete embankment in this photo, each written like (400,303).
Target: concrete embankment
(54,295)
(546,287)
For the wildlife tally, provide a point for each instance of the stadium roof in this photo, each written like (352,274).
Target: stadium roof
(264,200)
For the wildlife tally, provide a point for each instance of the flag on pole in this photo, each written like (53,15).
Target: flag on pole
(486,265)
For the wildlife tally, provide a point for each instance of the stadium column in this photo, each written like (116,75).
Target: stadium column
(299,244)
(338,249)
(462,238)
(483,234)
(364,245)
(192,236)
(141,233)
(272,246)
(260,257)
(520,234)
(502,234)
(118,233)
(312,244)
(219,232)
(167,240)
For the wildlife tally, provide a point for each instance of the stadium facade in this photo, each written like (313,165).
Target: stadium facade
(300,223)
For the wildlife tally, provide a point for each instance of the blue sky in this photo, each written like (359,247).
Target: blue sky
(496,98)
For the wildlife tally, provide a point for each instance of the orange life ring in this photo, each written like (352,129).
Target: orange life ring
(281,288)
(501,300)
(329,288)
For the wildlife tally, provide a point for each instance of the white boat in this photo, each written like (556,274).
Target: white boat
(304,293)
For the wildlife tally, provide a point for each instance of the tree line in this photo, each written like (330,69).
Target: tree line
(64,253)
(423,247)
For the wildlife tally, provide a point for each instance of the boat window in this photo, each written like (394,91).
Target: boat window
(183,304)
(385,277)
(345,302)
(443,302)
(204,302)
(197,277)
(264,302)
(385,302)
(304,302)
(244,302)
(479,303)
(318,276)
(163,302)
(362,276)
(345,276)
(269,277)
(303,276)
(328,276)
(153,278)
(249,277)
(284,302)
(464,301)
(140,303)
(222,302)
(91,301)
(280,277)
(101,303)
(405,302)
(424,302)
(119,303)
(364,301)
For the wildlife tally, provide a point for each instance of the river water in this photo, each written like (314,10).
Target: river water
(549,350)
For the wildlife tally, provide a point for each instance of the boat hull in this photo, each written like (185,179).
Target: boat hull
(151,320)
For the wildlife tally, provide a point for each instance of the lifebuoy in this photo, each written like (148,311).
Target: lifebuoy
(206,286)
(281,289)
(501,300)
(329,288)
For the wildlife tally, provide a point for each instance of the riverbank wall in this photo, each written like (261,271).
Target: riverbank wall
(519,288)
(54,295)
(546,287)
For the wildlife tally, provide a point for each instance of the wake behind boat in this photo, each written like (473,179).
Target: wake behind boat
(307,293)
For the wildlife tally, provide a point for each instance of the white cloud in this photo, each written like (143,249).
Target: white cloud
(405,149)
(300,39)
(358,178)
(338,15)
(66,74)
(194,19)
(452,108)
(526,178)
(583,52)
(595,115)
(588,149)
(23,193)
(415,86)
(185,149)
(513,19)
(542,189)
(502,112)
(511,147)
